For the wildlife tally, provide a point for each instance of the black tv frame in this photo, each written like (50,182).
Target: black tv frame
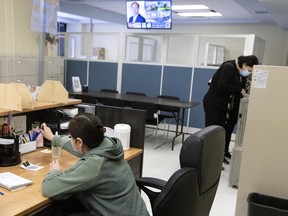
(152,28)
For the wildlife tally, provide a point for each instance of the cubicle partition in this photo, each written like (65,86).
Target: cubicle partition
(102,75)
(177,82)
(75,68)
(187,83)
(141,78)
(200,87)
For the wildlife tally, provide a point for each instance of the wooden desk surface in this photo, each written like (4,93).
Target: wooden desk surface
(40,105)
(28,199)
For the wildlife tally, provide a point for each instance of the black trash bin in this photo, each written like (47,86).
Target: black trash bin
(263,205)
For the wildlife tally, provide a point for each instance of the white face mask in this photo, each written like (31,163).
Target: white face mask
(244,73)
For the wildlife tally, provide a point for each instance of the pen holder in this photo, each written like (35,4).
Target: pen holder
(9,151)
(85,88)
(27,147)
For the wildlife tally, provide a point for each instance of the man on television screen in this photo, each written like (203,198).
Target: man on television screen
(136,16)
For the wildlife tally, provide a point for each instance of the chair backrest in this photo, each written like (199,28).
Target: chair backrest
(168,108)
(204,150)
(150,109)
(109,90)
(112,102)
(191,189)
(136,93)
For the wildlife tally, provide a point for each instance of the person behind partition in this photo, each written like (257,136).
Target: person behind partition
(101,182)
(222,100)
(136,15)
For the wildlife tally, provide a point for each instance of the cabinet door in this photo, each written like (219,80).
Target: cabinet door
(3,67)
(28,80)
(24,66)
(53,66)
(54,69)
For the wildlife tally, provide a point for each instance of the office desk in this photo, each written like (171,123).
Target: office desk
(127,98)
(29,199)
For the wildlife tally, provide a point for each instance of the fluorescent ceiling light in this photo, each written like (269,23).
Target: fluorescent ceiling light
(71,16)
(205,14)
(188,7)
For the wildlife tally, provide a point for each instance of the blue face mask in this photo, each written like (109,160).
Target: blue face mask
(244,73)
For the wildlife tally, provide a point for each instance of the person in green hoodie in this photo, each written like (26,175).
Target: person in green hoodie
(102,180)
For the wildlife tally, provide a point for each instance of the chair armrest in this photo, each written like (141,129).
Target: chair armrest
(151,182)
(145,182)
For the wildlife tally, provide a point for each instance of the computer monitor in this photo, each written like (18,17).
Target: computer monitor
(149,14)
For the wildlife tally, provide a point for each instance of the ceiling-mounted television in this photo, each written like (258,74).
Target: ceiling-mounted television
(149,14)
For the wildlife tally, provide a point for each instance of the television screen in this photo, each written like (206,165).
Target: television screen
(149,14)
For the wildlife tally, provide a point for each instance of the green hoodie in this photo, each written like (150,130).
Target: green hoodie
(102,180)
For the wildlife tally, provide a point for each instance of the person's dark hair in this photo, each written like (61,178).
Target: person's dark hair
(88,127)
(249,60)
(135,3)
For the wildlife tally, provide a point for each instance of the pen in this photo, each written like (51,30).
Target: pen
(23,138)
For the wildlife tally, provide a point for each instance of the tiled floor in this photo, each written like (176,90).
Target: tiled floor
(162,162)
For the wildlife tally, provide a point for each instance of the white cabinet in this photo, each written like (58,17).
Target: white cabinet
(28,80)
(25,69)
(24,66)
(19,69)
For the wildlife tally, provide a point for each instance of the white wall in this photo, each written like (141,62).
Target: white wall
(276,47)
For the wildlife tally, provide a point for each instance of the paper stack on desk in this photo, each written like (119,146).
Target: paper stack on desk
(11,181)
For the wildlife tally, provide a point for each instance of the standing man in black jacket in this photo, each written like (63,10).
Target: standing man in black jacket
(222,100)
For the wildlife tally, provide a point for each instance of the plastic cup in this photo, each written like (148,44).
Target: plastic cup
(56,152)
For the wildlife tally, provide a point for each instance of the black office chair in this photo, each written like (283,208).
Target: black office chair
(86,99)
(170,113)
(109,90)
(111,101)
(136,93)
(152,117)
(190,191)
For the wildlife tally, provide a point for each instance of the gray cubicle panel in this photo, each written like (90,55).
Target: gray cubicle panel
(75,68)
(147,79)
(102,75)
(141,78)
(200,87)
(111,116)
(177,82)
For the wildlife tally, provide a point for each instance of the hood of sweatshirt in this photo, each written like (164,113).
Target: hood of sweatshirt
(110,148)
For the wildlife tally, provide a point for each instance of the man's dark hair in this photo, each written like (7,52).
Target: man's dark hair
(249,60)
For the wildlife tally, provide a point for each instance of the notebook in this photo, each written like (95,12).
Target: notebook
(11,181)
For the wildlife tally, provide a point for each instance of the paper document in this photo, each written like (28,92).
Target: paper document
(11,181)
(32,167)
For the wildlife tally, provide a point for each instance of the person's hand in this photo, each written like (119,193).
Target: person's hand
(46,131)
(243,92)
(54,165)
